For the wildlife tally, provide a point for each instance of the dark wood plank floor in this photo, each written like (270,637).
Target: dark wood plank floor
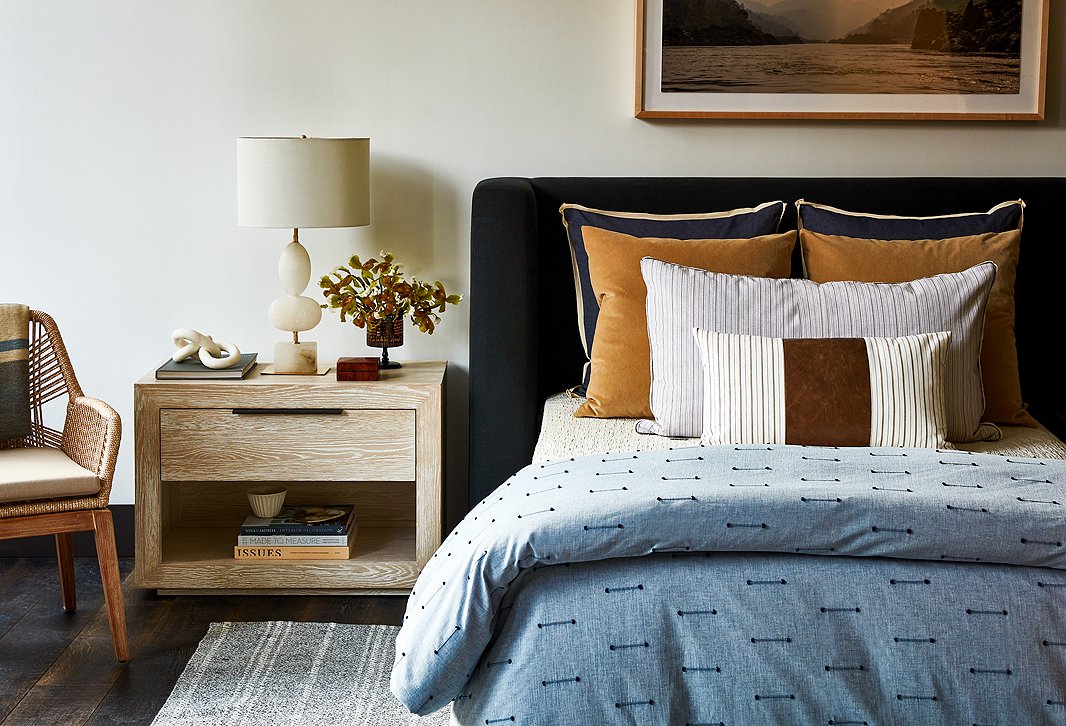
(59,668)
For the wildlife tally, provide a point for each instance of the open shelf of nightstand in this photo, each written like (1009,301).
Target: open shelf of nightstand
(382,558)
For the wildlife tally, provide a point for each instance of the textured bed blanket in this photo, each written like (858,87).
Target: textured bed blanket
(936,506)
(14,371)
(764,638)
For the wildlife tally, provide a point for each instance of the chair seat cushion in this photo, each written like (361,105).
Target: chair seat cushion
(42,473)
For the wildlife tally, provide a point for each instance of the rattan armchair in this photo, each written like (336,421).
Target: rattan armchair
(90,438)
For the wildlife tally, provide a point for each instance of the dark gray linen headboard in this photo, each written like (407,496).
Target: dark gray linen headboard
(524,343)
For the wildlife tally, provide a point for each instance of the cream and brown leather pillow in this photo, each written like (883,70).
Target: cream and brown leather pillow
(829,258)
(824,391)
(620,380)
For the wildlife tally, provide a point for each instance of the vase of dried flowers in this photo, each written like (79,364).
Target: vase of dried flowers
(385,334)
(377,295)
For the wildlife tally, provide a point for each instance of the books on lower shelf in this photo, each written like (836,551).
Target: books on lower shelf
(191,368)
(299,533)
(295,540)
(305,552)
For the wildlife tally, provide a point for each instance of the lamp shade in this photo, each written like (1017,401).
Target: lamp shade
(303,182)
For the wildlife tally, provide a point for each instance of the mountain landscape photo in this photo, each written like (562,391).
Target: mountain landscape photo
(968,26)
(842,46)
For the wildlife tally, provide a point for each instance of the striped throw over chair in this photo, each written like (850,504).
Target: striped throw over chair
(59,482)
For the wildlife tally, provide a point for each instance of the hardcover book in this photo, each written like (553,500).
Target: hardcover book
(193,368)
(298,540)
(291,553)
(302,520)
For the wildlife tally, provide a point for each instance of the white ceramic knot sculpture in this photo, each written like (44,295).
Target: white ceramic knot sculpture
(211,354)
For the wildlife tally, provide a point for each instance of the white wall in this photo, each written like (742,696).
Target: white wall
(117,153)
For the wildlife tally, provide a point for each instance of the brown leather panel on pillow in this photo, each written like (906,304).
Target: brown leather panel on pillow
(827,391)
(829,258)
(620,382)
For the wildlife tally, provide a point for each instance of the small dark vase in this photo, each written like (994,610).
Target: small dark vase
(385,334)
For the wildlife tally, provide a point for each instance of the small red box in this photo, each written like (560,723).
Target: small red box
(357,369)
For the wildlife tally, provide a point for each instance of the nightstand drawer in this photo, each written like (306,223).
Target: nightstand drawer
(319,444)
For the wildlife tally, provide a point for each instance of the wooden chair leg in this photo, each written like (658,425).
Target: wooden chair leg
(109,576)
(65,556)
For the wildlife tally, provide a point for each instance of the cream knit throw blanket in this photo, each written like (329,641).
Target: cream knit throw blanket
(14,371)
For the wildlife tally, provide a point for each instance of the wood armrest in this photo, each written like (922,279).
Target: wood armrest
(91,436)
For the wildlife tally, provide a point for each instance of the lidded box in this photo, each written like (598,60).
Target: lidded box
(357,368)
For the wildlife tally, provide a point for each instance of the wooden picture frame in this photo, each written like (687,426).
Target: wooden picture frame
(755,84)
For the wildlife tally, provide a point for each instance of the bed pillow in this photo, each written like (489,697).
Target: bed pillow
(682,298)
(733,224)
(823,391)
(830,220)
(620,377)
(830,257)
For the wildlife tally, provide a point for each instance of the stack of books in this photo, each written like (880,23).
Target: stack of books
(299,533)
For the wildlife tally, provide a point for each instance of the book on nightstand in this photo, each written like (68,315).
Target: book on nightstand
(292,553)
(302,520)
(192,368)
(297,540)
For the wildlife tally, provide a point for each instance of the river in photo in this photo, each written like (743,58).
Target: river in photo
(835,68)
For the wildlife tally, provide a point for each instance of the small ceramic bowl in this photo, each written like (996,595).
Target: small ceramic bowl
(266,501)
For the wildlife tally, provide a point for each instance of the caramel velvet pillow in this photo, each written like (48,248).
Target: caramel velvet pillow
(733,224)
(620,380)
(830,258)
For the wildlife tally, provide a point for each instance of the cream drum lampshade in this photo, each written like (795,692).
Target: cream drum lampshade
(287,183)
(295,182)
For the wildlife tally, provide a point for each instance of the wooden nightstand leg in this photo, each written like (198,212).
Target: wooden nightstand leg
(65,556)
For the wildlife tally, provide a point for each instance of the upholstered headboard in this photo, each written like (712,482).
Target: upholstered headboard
(524,343)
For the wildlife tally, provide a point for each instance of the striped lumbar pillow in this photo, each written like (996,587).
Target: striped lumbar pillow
(682,298)
(823,391)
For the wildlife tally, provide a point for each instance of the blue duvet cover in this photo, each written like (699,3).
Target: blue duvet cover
(744,585)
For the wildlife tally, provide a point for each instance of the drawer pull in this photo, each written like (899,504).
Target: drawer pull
(289,411)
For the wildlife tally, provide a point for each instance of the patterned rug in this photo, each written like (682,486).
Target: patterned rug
(245,674)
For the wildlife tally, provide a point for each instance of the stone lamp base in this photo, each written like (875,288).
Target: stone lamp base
(296,358)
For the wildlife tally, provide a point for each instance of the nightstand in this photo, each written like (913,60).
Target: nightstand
(201,444)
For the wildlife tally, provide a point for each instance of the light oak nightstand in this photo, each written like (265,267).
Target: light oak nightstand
(200,445)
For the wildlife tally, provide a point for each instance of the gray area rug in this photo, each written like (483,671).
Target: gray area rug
(245,674)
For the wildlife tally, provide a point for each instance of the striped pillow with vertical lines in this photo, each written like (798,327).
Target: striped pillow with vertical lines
(682,298)
(824,391)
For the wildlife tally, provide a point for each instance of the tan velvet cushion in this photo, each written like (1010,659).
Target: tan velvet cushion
(34,473)
(829,258)
(621,370)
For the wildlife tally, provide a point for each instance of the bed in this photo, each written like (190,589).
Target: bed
(737,589)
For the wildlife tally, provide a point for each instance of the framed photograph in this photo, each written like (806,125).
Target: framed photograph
(840,59)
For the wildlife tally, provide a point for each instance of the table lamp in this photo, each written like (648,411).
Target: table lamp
(285,183)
